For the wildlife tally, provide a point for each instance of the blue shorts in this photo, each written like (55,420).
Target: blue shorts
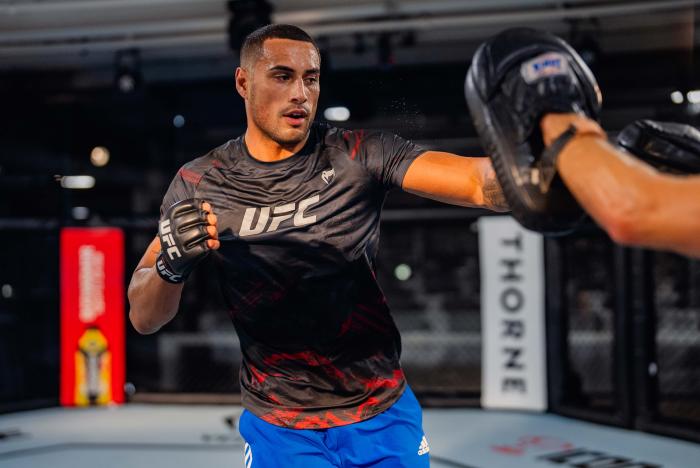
(393,438)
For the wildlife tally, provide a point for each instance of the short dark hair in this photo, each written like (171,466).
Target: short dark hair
(253,44)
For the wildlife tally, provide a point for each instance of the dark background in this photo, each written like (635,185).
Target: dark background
(397,66)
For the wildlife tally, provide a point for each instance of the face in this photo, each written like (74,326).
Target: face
(281,90)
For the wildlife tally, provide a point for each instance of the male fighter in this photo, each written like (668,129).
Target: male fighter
(535,103)
(294,240)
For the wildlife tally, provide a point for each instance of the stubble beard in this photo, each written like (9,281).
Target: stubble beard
(273,131)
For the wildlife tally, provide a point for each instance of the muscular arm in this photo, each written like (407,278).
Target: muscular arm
(633,202)
(153,301)
(454,179)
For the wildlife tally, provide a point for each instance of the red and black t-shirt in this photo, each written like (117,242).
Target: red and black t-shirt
(298,241)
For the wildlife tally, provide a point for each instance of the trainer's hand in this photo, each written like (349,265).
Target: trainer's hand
(187,234)
(553,125)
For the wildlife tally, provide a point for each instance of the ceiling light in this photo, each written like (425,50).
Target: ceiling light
(128,76)
(78,182)
(677,97)
(402,272)
(337,114)
(693,96)
(99,156)
(179,121)
(246,17)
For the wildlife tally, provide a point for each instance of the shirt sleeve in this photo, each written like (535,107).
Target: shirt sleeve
(182,187)
(385,155)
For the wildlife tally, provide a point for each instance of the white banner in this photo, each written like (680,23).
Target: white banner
(514,372)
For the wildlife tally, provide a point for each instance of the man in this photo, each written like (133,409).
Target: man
(294,239)
(636,204)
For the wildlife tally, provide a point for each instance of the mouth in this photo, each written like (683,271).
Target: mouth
(295,117)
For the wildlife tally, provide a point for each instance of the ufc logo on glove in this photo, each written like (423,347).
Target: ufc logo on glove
(168,240)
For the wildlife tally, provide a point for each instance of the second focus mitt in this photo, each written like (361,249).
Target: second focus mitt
(670,147)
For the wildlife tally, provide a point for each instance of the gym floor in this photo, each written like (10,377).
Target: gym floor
(138,435)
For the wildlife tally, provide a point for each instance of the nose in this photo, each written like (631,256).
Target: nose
(299,92)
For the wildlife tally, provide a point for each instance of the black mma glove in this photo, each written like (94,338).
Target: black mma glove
(183,240)
(670,147)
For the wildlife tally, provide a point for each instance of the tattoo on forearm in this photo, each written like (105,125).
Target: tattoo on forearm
(493,195)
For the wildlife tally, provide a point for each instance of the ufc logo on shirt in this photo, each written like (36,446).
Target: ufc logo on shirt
(168,240)
(270,218)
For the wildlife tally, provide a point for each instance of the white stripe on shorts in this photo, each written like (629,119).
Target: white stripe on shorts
(248,455)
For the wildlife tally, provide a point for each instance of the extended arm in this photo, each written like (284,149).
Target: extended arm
(633,202)
(454,179)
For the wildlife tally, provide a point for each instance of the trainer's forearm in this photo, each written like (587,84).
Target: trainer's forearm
(605,185)
(679,217)
(154,302)
(634,203)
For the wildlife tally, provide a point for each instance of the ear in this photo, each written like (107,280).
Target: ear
(242,82)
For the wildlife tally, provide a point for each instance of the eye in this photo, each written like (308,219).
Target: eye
(311,80)
(282,77)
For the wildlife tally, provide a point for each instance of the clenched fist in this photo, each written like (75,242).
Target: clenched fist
(187,234)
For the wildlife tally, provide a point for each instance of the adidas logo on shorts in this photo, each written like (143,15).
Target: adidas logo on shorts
(248,455)
(424,447)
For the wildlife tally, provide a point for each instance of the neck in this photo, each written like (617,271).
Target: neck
(263,148)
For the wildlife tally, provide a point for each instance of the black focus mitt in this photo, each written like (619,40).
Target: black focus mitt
(670,147)
(515,78)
